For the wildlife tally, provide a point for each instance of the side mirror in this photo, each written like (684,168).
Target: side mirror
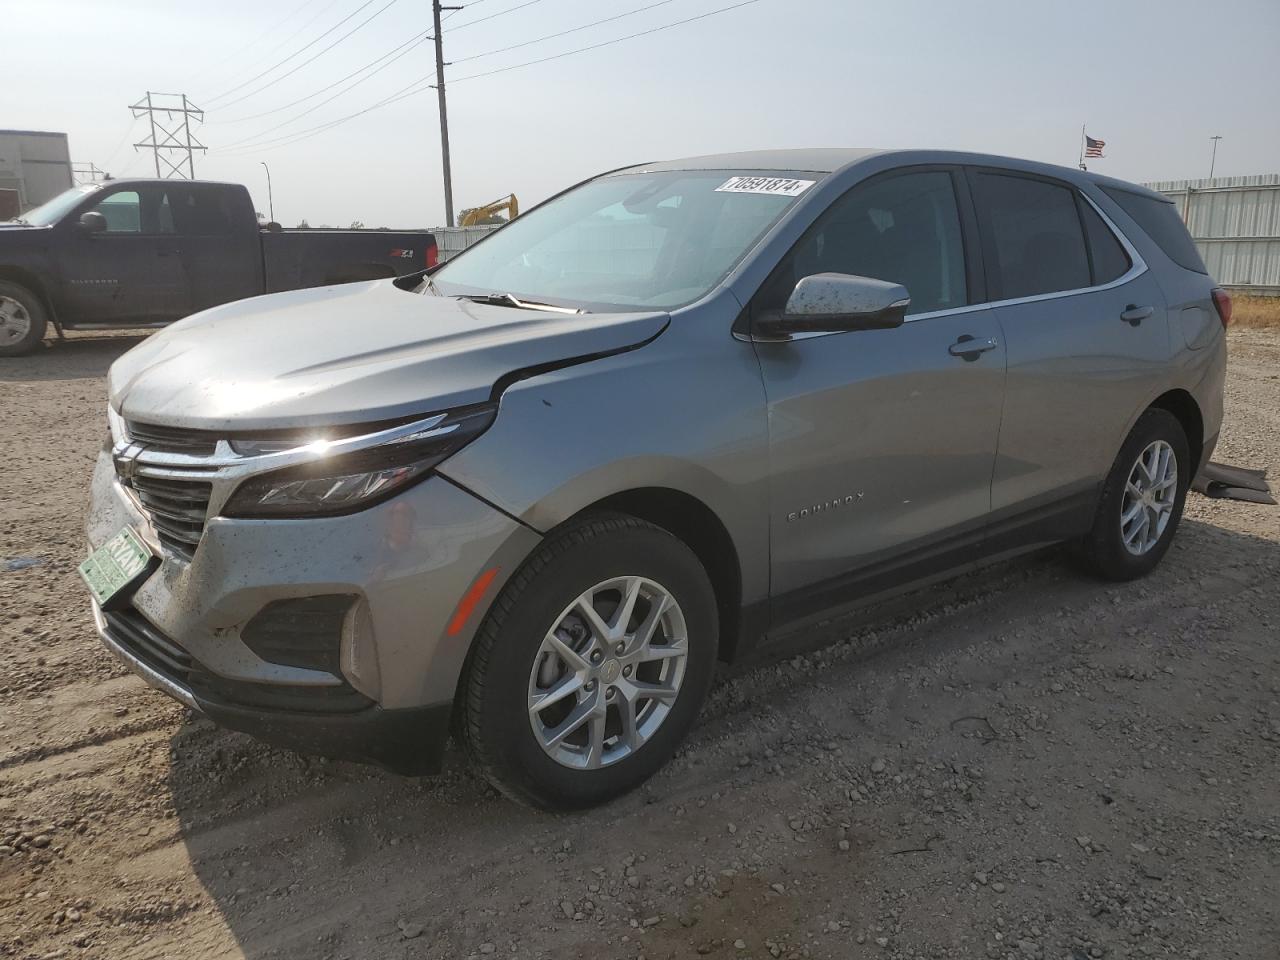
(831,302)
(93,222)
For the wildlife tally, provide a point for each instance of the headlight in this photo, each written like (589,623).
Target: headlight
(347,482)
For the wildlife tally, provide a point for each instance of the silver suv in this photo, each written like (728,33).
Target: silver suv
(669,416)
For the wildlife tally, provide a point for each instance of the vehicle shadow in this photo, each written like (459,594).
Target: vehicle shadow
(304,857)
(79,357)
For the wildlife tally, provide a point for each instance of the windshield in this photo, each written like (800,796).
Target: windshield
(51,211)
(626,241)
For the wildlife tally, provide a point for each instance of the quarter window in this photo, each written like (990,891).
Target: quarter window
(904,229)
(1160,219)
(1033,237)
(1108,257)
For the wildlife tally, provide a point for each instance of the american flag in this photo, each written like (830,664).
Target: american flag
(1092,147)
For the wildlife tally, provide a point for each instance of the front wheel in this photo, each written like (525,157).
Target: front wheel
(22,320)
(1142,500)
(592,664)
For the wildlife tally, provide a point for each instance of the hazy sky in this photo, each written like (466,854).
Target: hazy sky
(1017,77)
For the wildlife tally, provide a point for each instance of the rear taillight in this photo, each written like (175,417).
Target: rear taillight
(1222,303)
(433,256)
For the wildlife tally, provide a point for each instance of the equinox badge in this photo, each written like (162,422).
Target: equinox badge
(823,507)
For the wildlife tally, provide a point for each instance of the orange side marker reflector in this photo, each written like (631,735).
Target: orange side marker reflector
(469,602)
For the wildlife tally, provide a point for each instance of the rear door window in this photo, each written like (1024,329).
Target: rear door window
(203,211)
(1032,236)
(1160,221)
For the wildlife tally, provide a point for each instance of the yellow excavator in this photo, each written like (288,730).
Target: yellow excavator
(490,213)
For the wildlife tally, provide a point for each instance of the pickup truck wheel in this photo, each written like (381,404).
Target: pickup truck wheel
(591,665)
(22,320)
(1142,500)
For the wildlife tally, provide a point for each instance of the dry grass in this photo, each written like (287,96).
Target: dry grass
(1255,311)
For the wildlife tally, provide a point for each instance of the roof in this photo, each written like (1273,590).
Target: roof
(32,133)
(831,159)
(816,160)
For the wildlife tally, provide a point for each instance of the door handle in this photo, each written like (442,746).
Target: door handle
(969,348)
(1134,315)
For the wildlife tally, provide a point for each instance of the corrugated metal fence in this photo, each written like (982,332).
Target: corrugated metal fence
(451,241)
(1235,221)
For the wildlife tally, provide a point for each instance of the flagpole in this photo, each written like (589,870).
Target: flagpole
(1082,126)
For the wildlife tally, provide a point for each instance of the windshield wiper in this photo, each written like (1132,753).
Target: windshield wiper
(510,300)
(20,220)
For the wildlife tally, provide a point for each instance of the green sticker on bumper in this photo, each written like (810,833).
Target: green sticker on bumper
(115,565)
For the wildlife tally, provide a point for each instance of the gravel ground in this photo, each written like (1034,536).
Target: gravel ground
(1020,764)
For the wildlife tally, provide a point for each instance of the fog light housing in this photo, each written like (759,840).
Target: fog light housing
(304,632)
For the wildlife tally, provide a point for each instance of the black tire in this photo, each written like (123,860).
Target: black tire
(34,315)
(1103,551)
(495,719)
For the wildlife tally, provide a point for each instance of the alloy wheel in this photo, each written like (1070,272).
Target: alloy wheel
(1150,494)
(608,672)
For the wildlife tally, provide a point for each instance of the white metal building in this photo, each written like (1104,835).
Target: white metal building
(35,163)
(1235,222)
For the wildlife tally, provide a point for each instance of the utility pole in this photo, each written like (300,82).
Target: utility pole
(170,134)
(1214,158)
(444,112)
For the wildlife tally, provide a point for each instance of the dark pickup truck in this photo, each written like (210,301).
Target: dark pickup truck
(139,253)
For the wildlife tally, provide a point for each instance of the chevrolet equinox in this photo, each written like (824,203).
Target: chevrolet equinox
(669,416)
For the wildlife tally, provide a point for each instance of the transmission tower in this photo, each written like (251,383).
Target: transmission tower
(173,132)
(87,172)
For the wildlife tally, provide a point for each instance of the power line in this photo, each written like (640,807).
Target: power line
(412,41)
(418,86)
(453,13)
(313,57)
(472,23)
(313,109)
(605,43)
(405,47)
(562,33)
(120,146)
(282,44)
(256,77)
(424,83)
(263,35)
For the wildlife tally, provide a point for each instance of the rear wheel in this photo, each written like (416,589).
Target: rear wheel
(22,320)
(592,664)
(1142,500)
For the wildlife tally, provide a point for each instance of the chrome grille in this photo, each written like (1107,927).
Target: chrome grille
(171,439)
(177,509)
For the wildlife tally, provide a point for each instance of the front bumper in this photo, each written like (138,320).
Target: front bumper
(408,741)
(407,562)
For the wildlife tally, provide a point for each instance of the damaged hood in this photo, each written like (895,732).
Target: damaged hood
(347,354)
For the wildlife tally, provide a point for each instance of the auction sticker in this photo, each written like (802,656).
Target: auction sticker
(778,186)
